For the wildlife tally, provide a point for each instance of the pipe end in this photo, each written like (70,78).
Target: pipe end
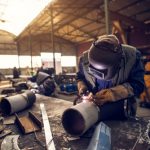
(73,122)
(5,106)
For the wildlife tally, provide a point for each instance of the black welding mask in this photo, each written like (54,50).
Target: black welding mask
(105,57)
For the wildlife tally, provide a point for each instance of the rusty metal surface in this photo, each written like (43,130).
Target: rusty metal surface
(124,133)
(27,124)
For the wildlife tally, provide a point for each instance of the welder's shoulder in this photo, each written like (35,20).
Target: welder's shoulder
(131,51)
(128,47)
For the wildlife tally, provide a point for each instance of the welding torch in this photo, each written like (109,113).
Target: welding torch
(86,96)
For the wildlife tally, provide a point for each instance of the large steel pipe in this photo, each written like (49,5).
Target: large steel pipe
(79,118)
(16,103)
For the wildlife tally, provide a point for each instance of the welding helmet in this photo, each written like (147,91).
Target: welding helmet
(105,57)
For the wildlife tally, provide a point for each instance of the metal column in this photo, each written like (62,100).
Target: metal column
(18,53)
(30,48)
(107,23)
(52,40)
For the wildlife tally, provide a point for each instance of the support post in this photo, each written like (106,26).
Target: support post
(107,23)
(52,38)
(30,48)
(18,53)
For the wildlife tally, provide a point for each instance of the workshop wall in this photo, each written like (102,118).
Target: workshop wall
(42,43)
(32,46)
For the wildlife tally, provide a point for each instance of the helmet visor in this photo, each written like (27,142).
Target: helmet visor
(98,73)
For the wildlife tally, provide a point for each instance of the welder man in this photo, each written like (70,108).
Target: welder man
(112,75)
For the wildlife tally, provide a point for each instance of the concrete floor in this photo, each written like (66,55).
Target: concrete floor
(143,112)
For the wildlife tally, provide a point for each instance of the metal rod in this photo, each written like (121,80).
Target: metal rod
(47,129)
(52,39)
(106,16)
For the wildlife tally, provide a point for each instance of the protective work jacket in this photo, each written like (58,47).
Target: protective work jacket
(130,74)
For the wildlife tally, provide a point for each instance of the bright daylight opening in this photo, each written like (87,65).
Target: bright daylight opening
(46,58)
(68,61)
(15,15)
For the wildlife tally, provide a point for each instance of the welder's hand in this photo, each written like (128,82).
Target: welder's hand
(82,88)
(113,94)
(103,96)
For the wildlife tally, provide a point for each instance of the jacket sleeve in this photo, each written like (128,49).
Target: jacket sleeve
(80,77)
(136,77)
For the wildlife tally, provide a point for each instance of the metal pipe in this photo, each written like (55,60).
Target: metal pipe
(16,103)
(79,118)
(41,77)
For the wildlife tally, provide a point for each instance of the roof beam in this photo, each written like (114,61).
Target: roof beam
(75,17)
(98,29)
(80,29)
(129,5)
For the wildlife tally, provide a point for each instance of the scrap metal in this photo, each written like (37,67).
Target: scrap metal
(29,124)
(5,133)
(10,143)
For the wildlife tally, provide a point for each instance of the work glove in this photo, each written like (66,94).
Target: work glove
(113,94)
(82,88)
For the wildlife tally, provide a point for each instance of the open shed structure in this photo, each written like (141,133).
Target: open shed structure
(41,42)
(69,27)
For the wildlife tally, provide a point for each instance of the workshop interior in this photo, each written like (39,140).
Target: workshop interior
(74,75)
